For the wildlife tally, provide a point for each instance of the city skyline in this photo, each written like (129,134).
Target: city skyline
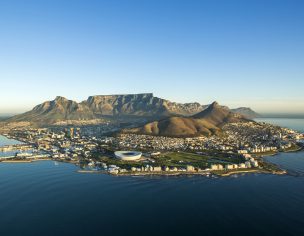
(239,54)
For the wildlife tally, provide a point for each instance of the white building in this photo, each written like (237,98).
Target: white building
(128,155)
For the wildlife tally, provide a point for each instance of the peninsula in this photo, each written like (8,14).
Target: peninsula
(168,138)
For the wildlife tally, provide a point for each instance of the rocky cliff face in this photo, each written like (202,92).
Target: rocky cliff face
(56,110)
(96,107)
(139,105)
(110,106)
(130,104)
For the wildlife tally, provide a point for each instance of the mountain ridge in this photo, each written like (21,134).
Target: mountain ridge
(110,106)
(207,122)
(246,111)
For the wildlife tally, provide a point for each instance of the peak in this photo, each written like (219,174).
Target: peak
(59,98)
(214,104)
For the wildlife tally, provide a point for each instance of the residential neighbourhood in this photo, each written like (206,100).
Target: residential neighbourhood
(245,142)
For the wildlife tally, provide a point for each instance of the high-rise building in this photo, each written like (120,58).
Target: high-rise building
(71,132)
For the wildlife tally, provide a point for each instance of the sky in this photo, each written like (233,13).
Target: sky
(239,53)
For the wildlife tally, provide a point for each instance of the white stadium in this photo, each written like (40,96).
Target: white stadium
(128,155)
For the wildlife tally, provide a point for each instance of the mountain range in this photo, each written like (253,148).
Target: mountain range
(207,122)
(114,106)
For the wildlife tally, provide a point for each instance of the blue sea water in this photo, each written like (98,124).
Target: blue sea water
(46,199)
(296,124)
(5,141)
(50,198)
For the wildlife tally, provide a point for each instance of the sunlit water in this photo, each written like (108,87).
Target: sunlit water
(46,199)
(5,141)
(296,124)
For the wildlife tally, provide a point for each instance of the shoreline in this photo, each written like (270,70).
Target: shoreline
(277,170)
(262,171)
(279,152)
(185,173)
(25,161)
(299,149)
(224,173)
(163,173)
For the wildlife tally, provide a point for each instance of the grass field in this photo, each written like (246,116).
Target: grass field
(184,158)
(177,159)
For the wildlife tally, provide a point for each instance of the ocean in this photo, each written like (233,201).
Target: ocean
(52,198)
(5,141)
(296,124)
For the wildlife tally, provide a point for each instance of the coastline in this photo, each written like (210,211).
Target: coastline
(277,170)
(224,173)
(298,149)
(263,158)
(272,168)
(267,167)
(25,161)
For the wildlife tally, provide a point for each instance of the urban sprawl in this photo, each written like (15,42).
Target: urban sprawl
(239,147)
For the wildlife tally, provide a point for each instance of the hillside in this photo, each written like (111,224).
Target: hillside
(57,110)
(218,115)
(97,108)
(207,123)
(177,127)
(110,106)
(247,112)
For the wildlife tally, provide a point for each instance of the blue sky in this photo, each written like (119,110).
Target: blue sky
(240,53)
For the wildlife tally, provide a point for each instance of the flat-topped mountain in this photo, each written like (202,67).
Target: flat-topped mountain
(207,122)
(139,105)
(110,106)
(143,105)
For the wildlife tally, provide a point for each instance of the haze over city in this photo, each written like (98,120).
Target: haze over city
(235,52)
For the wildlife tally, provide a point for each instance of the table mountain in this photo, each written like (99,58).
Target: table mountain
(129,106)
(110,106)
(139,105)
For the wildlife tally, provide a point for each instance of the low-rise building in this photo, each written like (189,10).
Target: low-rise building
(242,165)
(235,166)
(242,151)
(157,168)
(247,164)
(229,167)
(190,168)
(217,167)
